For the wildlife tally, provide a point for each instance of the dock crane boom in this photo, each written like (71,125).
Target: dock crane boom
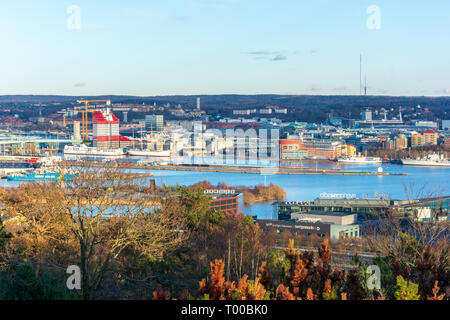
(84,114)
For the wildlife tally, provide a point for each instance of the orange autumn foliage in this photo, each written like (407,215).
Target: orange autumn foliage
(310,295)
(325,251)
(160,294)
(219,289)
(283,293)
(435,293)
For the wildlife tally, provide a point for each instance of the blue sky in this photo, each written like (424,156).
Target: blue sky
(167,47)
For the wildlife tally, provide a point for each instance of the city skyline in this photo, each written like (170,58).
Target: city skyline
(224,47)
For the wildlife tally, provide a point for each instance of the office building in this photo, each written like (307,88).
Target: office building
(446,125)
(365,209)
(227,202)
(367,115)
(154,122)
(336,225)
(429,137)
(105,130)
(76,130)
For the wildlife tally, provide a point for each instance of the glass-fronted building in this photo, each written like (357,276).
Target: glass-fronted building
(365,209)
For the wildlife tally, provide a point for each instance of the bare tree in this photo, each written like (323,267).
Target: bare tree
(91,220)
(414,236)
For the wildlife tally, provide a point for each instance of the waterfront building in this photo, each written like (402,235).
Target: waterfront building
(365,209)
(429,137)
(348,150)
(447,141)
(77,130)
(334,225)
(154,122)
(398,142)
(309,148)
(226,202)
(322,149)
(105,130)
(417,140)
(106,134)
(290,150)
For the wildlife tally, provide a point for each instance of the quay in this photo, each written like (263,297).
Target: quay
(236,169)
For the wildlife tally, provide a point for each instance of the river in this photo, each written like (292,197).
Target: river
(420,182)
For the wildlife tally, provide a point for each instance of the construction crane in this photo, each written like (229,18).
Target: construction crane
(84,130)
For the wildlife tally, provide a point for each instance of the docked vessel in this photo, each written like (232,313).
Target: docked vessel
(362,160)
(48,176)
(17,164)
(89,151)
(432,160)
(148,153)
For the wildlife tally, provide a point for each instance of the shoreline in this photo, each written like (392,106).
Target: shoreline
(244,169)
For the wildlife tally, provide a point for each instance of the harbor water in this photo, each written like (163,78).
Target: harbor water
(419,182)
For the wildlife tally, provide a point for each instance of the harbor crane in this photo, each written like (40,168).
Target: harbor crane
(84,113)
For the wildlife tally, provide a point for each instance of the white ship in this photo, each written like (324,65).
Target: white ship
(148,153)
(432,160)
(89,151)
(363,160)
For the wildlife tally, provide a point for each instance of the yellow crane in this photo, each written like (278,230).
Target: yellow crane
(84,114)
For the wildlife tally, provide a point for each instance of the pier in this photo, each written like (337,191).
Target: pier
(238,169)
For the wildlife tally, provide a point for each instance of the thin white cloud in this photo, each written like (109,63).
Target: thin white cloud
(269,55)
(259,53)
(279,57)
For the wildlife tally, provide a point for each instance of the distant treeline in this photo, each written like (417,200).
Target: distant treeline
(411,152)
(299,106)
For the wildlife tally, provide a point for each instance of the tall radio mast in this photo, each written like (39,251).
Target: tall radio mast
(360,74)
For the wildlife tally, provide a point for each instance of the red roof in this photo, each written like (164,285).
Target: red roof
(429,131)
(288,142)
(122,138)
(99,117)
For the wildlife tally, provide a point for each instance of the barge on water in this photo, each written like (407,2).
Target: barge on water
(49,176)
